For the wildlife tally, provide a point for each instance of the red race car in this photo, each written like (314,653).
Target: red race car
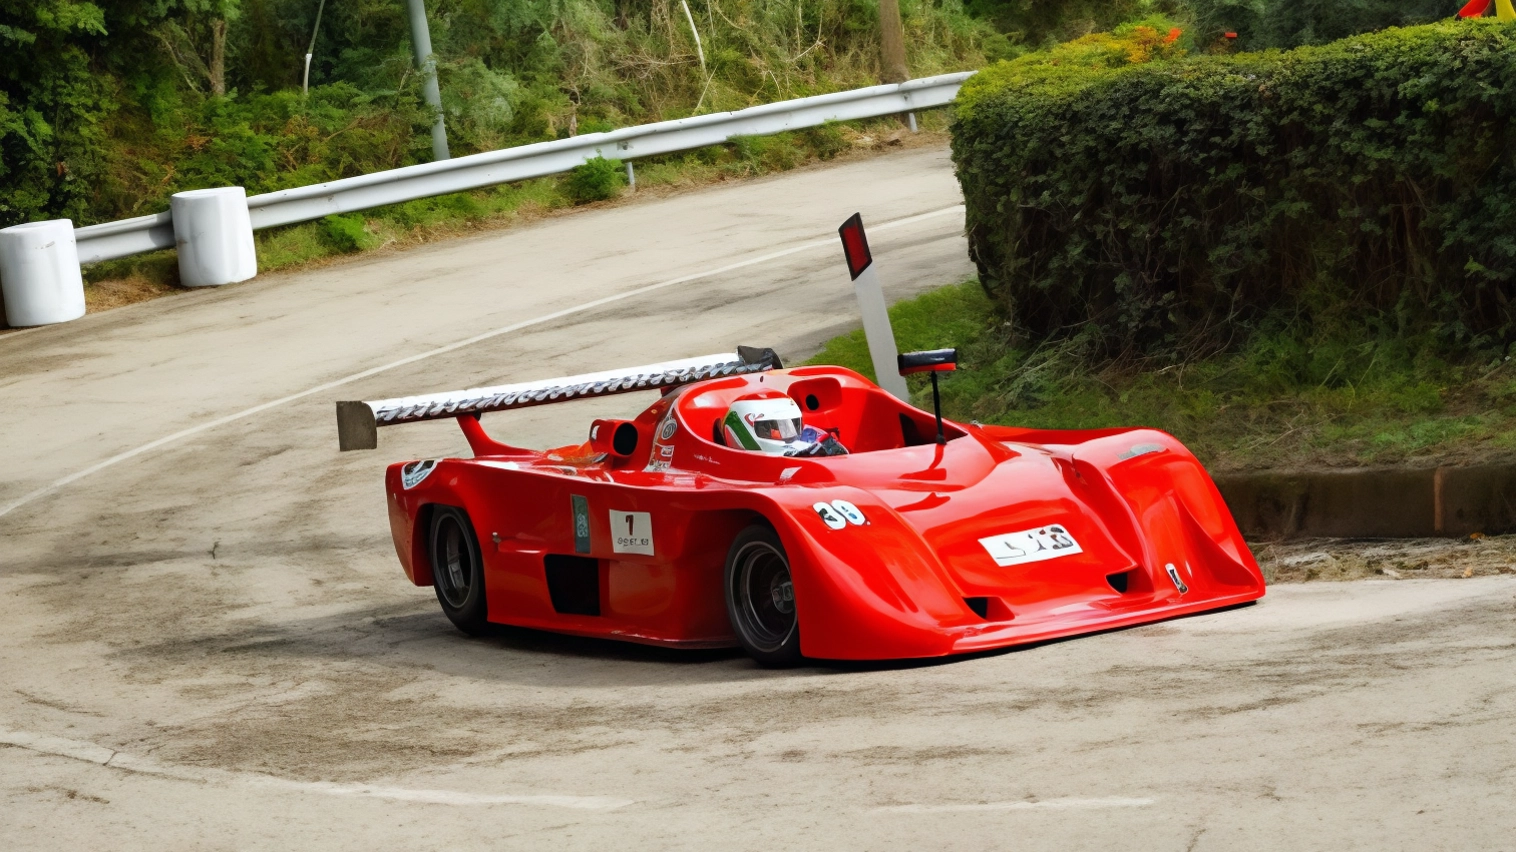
(803,512)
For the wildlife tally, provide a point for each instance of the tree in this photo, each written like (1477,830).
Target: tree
(52,107)
(198,44)
(892,67)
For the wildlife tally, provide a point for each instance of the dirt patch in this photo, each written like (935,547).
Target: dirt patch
(104,295)
(1308,560)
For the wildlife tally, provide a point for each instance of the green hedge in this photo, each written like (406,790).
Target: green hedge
(1169,206)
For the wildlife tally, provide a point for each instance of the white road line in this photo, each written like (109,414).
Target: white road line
(99,755)
(57,746)
(1041,805)
(442,350)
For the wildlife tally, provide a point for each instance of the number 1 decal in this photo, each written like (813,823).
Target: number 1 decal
(638,535)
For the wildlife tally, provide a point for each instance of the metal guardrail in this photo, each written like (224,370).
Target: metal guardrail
(288,206)
(125,237)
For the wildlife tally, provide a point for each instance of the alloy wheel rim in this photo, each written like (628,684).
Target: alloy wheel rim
(455,560)
(765,596)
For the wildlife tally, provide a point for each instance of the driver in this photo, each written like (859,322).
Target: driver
(771,423)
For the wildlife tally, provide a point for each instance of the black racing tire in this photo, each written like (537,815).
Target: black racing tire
(457,569)
(760,597)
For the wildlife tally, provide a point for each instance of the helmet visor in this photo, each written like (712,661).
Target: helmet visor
(777,430)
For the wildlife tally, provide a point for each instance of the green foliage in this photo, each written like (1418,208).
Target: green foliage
(1154,39)
(1261,24)
(51,107)
(1291,396)
(108,106)
(827,140)
(1042,23)
(595,180)
(768,153)
(1170,209)
(347,233)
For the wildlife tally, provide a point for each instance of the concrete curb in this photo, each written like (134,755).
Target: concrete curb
(1373,502)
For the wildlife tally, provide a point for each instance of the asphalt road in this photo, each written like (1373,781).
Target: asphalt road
(206,642)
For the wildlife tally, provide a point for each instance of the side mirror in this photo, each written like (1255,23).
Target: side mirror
(928,361)
(932,361)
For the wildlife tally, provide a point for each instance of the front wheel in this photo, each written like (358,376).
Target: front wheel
(457,570)
(760,597)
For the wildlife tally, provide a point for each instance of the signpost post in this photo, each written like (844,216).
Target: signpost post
(876,317)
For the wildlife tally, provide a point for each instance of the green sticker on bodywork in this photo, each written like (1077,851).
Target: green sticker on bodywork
(581,523)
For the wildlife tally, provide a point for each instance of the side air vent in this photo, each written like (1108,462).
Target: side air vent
(1132,581)
(573,583)
(990,609)
(614,437)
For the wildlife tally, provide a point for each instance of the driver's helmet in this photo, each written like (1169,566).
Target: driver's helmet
(771,423)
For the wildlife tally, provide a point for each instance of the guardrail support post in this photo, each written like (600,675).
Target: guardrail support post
(214,235)
(421,42)
(631,176)
(39,273)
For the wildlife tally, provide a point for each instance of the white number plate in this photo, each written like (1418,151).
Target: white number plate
(1019,548)
(632,532)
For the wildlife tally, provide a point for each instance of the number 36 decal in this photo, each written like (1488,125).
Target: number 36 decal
(839,513)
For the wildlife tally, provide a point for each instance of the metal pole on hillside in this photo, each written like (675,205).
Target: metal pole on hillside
(305,80)
(421,40)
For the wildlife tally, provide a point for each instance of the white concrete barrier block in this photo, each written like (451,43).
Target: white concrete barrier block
(214,235)
(39,273)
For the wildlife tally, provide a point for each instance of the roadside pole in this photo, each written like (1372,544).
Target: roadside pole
(876,317)
(421,40)
(310,51)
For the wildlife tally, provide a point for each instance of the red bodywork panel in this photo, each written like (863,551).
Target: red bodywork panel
(943,562)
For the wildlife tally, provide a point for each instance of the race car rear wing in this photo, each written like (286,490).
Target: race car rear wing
(358,422)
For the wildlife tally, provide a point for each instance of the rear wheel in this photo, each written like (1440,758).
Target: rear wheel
(457,570)
(760,597)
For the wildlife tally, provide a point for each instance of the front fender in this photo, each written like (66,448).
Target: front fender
(866,591)
(1178,516)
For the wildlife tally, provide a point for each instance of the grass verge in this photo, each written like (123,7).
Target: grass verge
(1288,398)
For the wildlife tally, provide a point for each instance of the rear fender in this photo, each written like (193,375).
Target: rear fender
(419,569)
(410,514)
